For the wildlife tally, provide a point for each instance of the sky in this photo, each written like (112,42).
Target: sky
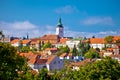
(80,18)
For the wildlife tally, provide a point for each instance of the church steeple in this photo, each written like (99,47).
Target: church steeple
(60,29)
(59,23)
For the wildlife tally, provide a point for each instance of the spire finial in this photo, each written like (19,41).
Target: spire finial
(59,23)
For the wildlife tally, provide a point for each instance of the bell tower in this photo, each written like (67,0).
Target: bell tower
(60,29)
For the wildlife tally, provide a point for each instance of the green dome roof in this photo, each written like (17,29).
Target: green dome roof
(59,23)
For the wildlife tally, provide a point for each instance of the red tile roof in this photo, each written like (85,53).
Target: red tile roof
(49,37)
(51,58)
(82,63)
(97,40)
(41,61)
(48,49)
(63,55)
(116,37)
(63,40)
(26,41)
(14,41)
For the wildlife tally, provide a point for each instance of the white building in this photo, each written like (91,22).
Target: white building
(51,63)
(71,43)
(97,43)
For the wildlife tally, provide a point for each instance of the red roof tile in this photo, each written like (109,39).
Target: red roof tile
(97,40)
(14,41)
(51,58)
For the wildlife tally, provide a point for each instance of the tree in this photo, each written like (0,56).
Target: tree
(20,46)
(106,68)
(109,40)
(43,74)
(2,36)
(83,47)
(74,51)
(25,49)
(65,49)
(10,62)
(47,45)
(92,53)
(118,42)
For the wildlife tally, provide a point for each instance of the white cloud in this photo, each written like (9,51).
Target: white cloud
(66,9)
(98,20)
(20,29)
(90,34)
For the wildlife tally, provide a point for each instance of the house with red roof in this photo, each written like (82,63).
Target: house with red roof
(97,43)
(15,42)
(37,62)
(50,51)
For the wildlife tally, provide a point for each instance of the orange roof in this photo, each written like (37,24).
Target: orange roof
(63,40)
(116,38)
(14,41)
(109,49)
(49,37)
(51,49)
(26,41)
(30,56)
(116,55)
(63,55)
(33,42)
(51,58)
(41,61)
(82,63)
(97,40)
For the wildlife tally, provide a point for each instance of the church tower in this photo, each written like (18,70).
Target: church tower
(60,29)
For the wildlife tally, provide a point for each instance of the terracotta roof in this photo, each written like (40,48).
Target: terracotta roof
(14,41)
(82,63)
(34,42)
(116,55)
(49,37)
(30,56)
(63,40)
(26,41)
(51,49)
(97,40)
(116,37)
(41,61)
(63,55)
(51,58)
(109,49)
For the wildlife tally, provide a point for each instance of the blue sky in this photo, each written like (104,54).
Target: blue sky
(79,17)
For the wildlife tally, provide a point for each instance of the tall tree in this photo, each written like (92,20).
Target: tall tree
(47,45)
(74,51)
(2,36)
(83,47)
(118,42)
(105,69)
(108,40)
(92,53)
(10,62)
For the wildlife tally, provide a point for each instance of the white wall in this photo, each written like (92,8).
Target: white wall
(100,46)
(71,43)
(15,44)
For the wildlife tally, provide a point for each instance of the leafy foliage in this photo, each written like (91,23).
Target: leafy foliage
(92,53)
(10,62)
(25,49)
(84,47)
(108,39)
(47,45)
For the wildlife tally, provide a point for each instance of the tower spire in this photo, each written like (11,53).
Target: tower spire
(59,23)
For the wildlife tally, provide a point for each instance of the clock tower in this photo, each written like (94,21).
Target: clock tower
(60,29)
